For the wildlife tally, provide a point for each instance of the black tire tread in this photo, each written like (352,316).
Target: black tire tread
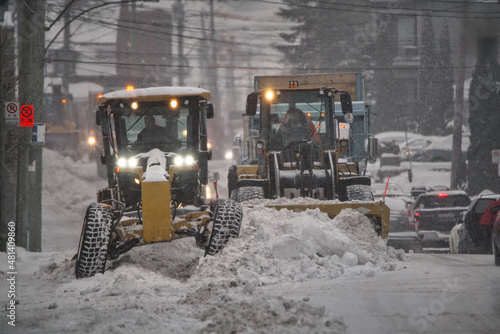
(227,223)
(94,241)
(359,192)
(249,193)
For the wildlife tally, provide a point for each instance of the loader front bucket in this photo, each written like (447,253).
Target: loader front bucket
(378,212)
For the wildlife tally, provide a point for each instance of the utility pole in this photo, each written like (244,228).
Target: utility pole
(7,131)
(31,27)
(66,52)
(3,170)
(203,53)
(213,76)
(179,19)
(458,110)
(217,134)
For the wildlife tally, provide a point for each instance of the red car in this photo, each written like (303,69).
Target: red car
(495,235)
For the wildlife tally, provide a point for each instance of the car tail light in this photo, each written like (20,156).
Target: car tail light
(411,220)
(442,195)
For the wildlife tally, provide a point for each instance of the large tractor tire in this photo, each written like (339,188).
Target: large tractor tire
(234,195)
(359,192)
(94,241)
(227,222)
(249,193)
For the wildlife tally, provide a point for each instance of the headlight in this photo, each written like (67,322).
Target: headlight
(229,155)
(91,140)
(187,160)
(269,95)
(124,162)
(208,192)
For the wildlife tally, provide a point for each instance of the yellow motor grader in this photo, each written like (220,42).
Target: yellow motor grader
(156,158)
(295,144)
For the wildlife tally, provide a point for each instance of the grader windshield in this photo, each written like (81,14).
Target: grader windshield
(155,125)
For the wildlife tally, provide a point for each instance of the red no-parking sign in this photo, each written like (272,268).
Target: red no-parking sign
(26,116)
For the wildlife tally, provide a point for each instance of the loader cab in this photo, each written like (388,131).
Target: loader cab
(281,111)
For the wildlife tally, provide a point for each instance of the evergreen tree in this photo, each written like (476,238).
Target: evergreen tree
(327,37)
(387,111)
(484,119)
(428,119)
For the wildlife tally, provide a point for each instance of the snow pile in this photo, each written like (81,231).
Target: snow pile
(173,283)
(66,184)
(280,246)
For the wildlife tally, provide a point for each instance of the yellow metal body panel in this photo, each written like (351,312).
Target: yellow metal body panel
(371,210)
(340,81)
(156,216)
(129,229)
(247,172)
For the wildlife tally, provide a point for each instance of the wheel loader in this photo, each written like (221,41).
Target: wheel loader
(156,158)
(309,158)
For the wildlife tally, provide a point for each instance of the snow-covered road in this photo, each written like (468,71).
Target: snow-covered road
(431,293)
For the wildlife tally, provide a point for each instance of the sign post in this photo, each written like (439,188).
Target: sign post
(495,158)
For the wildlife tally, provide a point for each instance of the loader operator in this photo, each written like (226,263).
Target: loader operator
(296,127)
(152,136)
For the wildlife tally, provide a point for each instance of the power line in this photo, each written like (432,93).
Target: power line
(371,68)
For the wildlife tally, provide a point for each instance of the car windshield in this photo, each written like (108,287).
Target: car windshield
(482,204)
(443,201)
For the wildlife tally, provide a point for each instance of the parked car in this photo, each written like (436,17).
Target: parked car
(495,236)
(439,149)
(403,233)
(454,234)
(470,239)
(436,212)
(415,144)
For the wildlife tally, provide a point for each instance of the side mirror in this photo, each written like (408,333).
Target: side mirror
(372,149)
(494,210)
(346,103)
(210,110)
(252,101)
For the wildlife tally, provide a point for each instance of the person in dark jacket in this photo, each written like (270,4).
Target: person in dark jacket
(152,136)
(296,127)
